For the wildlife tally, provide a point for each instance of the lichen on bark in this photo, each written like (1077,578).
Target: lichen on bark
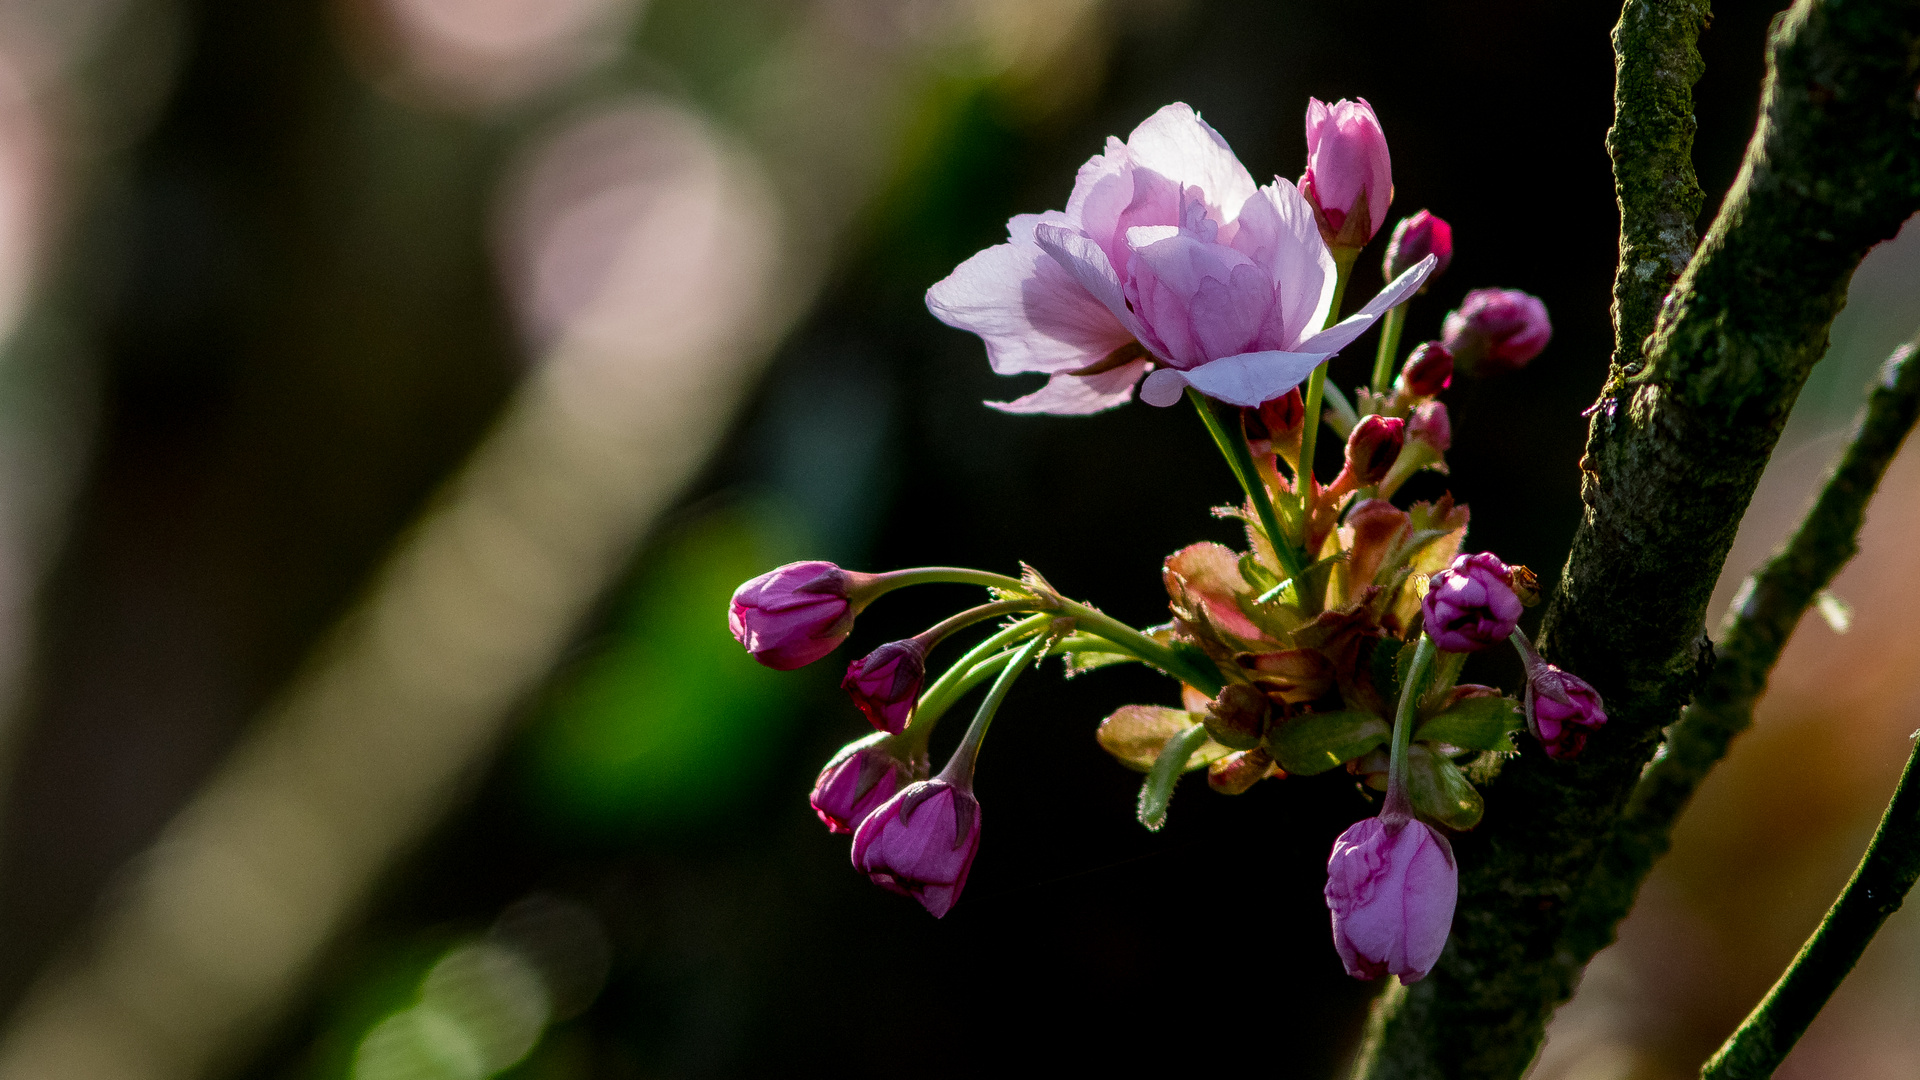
(1675,447)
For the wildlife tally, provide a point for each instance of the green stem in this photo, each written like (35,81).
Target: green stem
(1343,259)
(938,698)
(1240,460)
(952,575)
(1885,874)
(1389,346)
(1092,620)
(1343,417)
(960,766)
(939,631)
(1397,803)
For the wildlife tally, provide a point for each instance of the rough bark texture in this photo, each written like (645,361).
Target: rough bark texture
(1673,455)
(1776,597)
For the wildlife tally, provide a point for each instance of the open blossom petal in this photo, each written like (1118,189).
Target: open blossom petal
(1343,333)
(1277,230)
(1180,146)
(1247,379)
(1079,395)
(1031,311)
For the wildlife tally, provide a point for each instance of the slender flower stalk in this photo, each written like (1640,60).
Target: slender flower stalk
(961,677)
(1397,803)
(1343,260)
(1234,448)
(1390,326)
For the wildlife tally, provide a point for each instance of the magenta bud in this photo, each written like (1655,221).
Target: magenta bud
(886,682)
(1373,447)
(1349,177)
(921,843)
(1429,425)
(1237,718)
(792,616)
(1496,330)
(1562,710)
(1429,370)
(1414,239)
(1391,886)
(1471,604)
(862,776)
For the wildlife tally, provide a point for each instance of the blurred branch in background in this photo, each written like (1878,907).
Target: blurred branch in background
(654,274)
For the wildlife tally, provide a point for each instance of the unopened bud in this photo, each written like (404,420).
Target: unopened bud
(1372,448)
(1496,330)
(1414,239)
(1235,773)
(1283,416)
(1430,426)
(1238,717)
(1429,370)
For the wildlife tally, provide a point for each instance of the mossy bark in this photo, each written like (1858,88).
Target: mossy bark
(1676,446)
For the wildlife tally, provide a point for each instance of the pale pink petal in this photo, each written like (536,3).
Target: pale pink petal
(1341,334)
(1078,395)
(1278,231)
(1226,315)
(1032,314)
(1164,387)
(1249,378)
(1102,192)
(1180,146)
(1088,265)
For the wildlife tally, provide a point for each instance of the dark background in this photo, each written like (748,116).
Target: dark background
(301,331)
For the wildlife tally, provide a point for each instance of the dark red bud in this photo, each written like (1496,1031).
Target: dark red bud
(1414,239)
(1429,370)
(1283,416)
(1373,447)
(1235,773)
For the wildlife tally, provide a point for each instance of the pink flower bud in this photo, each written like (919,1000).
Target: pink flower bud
(1429,370)
(1372,448)
(921,843)
(886,682)
(1283,416)
(1496,330)
(1391,885)
(1429,425)
(862,776)
(792,616)
(1349,179)
(1414,239)
(1562,710)
(1471,604)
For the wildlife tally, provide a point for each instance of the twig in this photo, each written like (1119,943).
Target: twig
(1776,596)
(1879,884)
(1674,452)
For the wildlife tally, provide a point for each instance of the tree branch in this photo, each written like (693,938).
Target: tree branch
(1774,600)
(1879,884)
(1673,454)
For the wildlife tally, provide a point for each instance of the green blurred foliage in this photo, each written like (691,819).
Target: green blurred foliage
(667,720)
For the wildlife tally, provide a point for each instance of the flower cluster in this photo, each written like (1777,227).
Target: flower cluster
(1335,639)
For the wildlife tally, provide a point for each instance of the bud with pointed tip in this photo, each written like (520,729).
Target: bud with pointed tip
(791,616)
(886,682)
(1391,887)
(1427,372)
(1562,708)
(1414,239)
(1496,330)
(861,777)
(1349,177)
(921,843)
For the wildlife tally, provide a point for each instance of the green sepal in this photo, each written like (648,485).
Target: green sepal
(1440,791)
(1387,667)
(1481,723)
(1083,652)
(1157,790)
(1256,575)
(1311,744)
(1136,735)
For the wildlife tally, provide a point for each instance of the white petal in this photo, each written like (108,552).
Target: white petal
(1032,313)
(1341,334)
(1078,395)
(1180,146)
(1251,378)
(1083,259)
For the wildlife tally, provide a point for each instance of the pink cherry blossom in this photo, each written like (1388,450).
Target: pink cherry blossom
(862,777)
(921,842)
(1166,259)
(1391,888)
(1348,170)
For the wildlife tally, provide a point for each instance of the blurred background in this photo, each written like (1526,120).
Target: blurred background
(393,391)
